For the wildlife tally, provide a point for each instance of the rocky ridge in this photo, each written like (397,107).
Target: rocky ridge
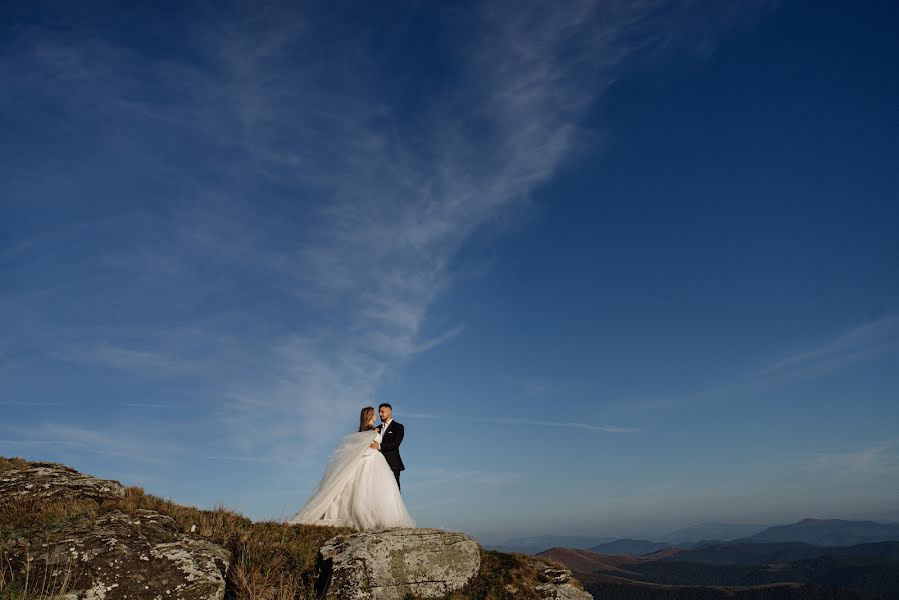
(64,533)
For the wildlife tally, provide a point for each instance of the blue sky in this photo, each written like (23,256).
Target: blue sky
(620,268)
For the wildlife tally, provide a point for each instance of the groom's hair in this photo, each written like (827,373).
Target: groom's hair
(380,406)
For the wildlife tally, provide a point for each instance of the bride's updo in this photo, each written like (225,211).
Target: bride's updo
(365,418)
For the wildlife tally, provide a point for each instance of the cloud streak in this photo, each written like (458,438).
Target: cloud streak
(518,422)
(861,343)
(880,457)
(125,443)
(306,200)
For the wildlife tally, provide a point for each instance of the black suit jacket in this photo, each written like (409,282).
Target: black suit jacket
(390,445)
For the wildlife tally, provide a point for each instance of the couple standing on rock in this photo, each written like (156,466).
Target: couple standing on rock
(361,484)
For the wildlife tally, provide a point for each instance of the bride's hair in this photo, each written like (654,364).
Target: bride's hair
(364,417)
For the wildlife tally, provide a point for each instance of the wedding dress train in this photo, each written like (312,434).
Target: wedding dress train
(358,490)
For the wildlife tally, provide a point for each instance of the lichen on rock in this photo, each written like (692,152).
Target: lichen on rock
(110,556)
(392,564)
(51,481)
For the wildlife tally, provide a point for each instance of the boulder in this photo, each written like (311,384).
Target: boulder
(92,556)
(389,565)
(52,481)
(118,557)
(556,584)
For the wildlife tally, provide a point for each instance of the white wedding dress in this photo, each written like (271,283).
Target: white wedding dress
(358,490)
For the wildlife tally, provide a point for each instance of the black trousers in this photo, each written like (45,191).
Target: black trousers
(397,475)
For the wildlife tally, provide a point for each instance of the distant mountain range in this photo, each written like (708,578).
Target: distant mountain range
(816,532)
(629,547)
(539,543)
(828,532)
(740,570)
(681,537)
(710,531)
(746,553)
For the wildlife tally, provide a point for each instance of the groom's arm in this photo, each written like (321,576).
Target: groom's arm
(395,440)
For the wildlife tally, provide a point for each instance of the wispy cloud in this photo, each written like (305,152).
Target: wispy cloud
(519,422)
(861,343)
(29,403)
(562,424)
(307,196)
(145,445)
(532,386)
(882,456)
(855,346)
(118,357)
(429,477)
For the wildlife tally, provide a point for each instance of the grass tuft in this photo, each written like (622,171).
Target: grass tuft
(12,464)
(50,582)
(502,577)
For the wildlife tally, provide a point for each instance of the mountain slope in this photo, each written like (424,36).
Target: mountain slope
(828,532)
(629,547)
(585,561)
(711,531)
(539,543)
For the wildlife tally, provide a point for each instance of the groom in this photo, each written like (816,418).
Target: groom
(391,438)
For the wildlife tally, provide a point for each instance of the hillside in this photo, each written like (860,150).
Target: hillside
(539,543)
(710,531)
(585,561)
(828,532)
(55,523)
(629,547)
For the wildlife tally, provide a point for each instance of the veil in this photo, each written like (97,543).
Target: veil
(341,467)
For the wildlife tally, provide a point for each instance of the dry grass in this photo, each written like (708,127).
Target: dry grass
(48,582)
(29,515)
(12,464)
(505,576)
(269,560)
(502,577)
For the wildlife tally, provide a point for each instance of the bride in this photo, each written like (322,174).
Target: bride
(358,488)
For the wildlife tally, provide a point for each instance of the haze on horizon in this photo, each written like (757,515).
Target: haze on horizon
(620,268)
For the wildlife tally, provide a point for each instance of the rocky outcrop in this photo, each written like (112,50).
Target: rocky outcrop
(121,556)
(52,481)
(108,556)
(556,583)
(389,565)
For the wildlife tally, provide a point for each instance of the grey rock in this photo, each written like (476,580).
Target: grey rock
(52,481)
(119,557)
(556,584)
(107,557)
(557,575)
(564,591)
(388,565)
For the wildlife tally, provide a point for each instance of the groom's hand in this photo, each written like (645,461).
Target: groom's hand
(375,445)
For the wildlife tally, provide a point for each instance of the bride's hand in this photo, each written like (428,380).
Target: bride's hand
(375,446)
